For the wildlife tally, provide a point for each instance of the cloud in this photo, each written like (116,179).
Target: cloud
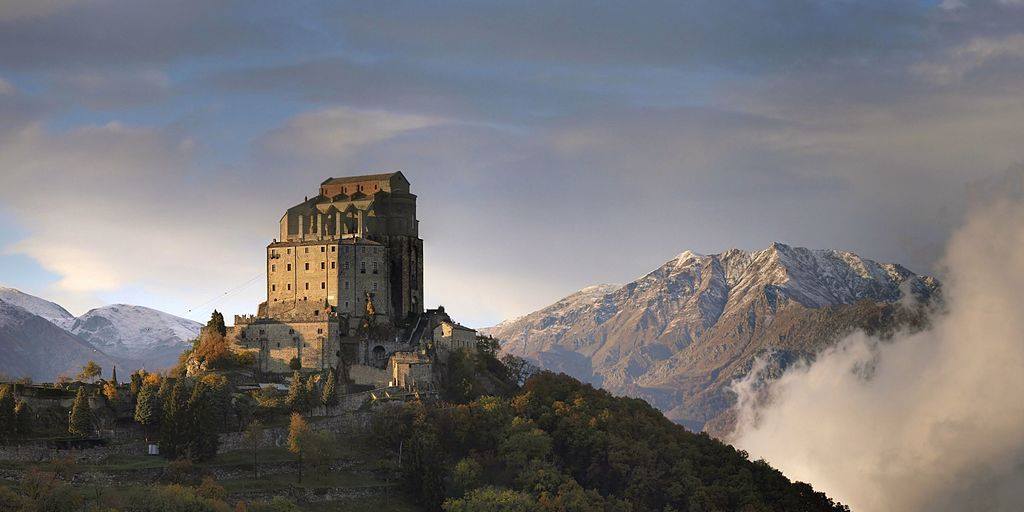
(14,10)
(975,54)
(337,132)
(104,89)
(928,421)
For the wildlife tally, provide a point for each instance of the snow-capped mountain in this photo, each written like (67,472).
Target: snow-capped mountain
(152,337)
(134,336)
(34,347)
(41,307)
(680,334)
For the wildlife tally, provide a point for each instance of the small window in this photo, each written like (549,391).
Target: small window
(332,265)
(307,250)
(323,265)
(333,248)
(289,250)
(273,268)
(319,331)
(346,304)
(263,331)
(375,267)
(289,286)
(316,312)
(323,249)
(279,344)
(305,298)
(307,286)
(273,287)
(362,267)
(323,286)
(307,266)
(291,331)
(374,286)
(289,267)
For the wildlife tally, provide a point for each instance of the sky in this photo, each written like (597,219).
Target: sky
(148,149)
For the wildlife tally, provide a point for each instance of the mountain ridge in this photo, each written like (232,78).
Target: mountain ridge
(123,334)
(679,334)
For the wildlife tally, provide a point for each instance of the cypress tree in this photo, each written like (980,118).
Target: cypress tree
(135,386)
(80,423)
(113,375)
(329,397)
(147,406)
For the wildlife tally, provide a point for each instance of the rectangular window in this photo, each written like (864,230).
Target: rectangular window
(307,266)
(333,248)
(289,286)
(362,267)
(273,268)
(307,286)
(273,287)
(332,265)
(374,286)
(307,250)
(323,265)
(289,250)
(289,267)
(323,286)
(319,331)
(375,267)
(323,249)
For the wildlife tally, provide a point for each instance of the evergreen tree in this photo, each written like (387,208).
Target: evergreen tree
(8,425)
(80,423)
(204,423)
(296,394)
(113,375)
(147,406)
(216,323)
(176,427)
(329,397)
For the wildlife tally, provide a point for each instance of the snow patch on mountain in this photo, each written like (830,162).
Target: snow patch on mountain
(54,313)
(137,332)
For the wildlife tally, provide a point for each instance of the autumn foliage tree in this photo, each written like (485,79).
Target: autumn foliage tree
(80,422)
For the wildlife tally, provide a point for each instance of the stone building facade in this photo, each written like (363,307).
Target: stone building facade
(345,290)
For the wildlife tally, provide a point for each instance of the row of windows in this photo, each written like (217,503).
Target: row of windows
(323,286)
(323,248)
(323,266)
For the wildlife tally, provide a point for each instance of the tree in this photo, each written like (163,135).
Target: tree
(254,438)
(216,323)
(90,371)
(298,438)
(203,423)
(22,418)
(80,423)
(135,386)
(491,499)
(110,391)
(296,400)
(8,424)
(176,427)
(147,406)
(329,396)
(113,375)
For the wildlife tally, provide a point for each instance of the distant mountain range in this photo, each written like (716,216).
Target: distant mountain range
(42,340)
(681,334)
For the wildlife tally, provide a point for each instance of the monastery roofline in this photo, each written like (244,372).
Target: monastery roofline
(364,177)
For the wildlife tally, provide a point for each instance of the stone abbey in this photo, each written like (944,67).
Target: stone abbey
(345,289)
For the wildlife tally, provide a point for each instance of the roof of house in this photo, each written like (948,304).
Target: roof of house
(365,177)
